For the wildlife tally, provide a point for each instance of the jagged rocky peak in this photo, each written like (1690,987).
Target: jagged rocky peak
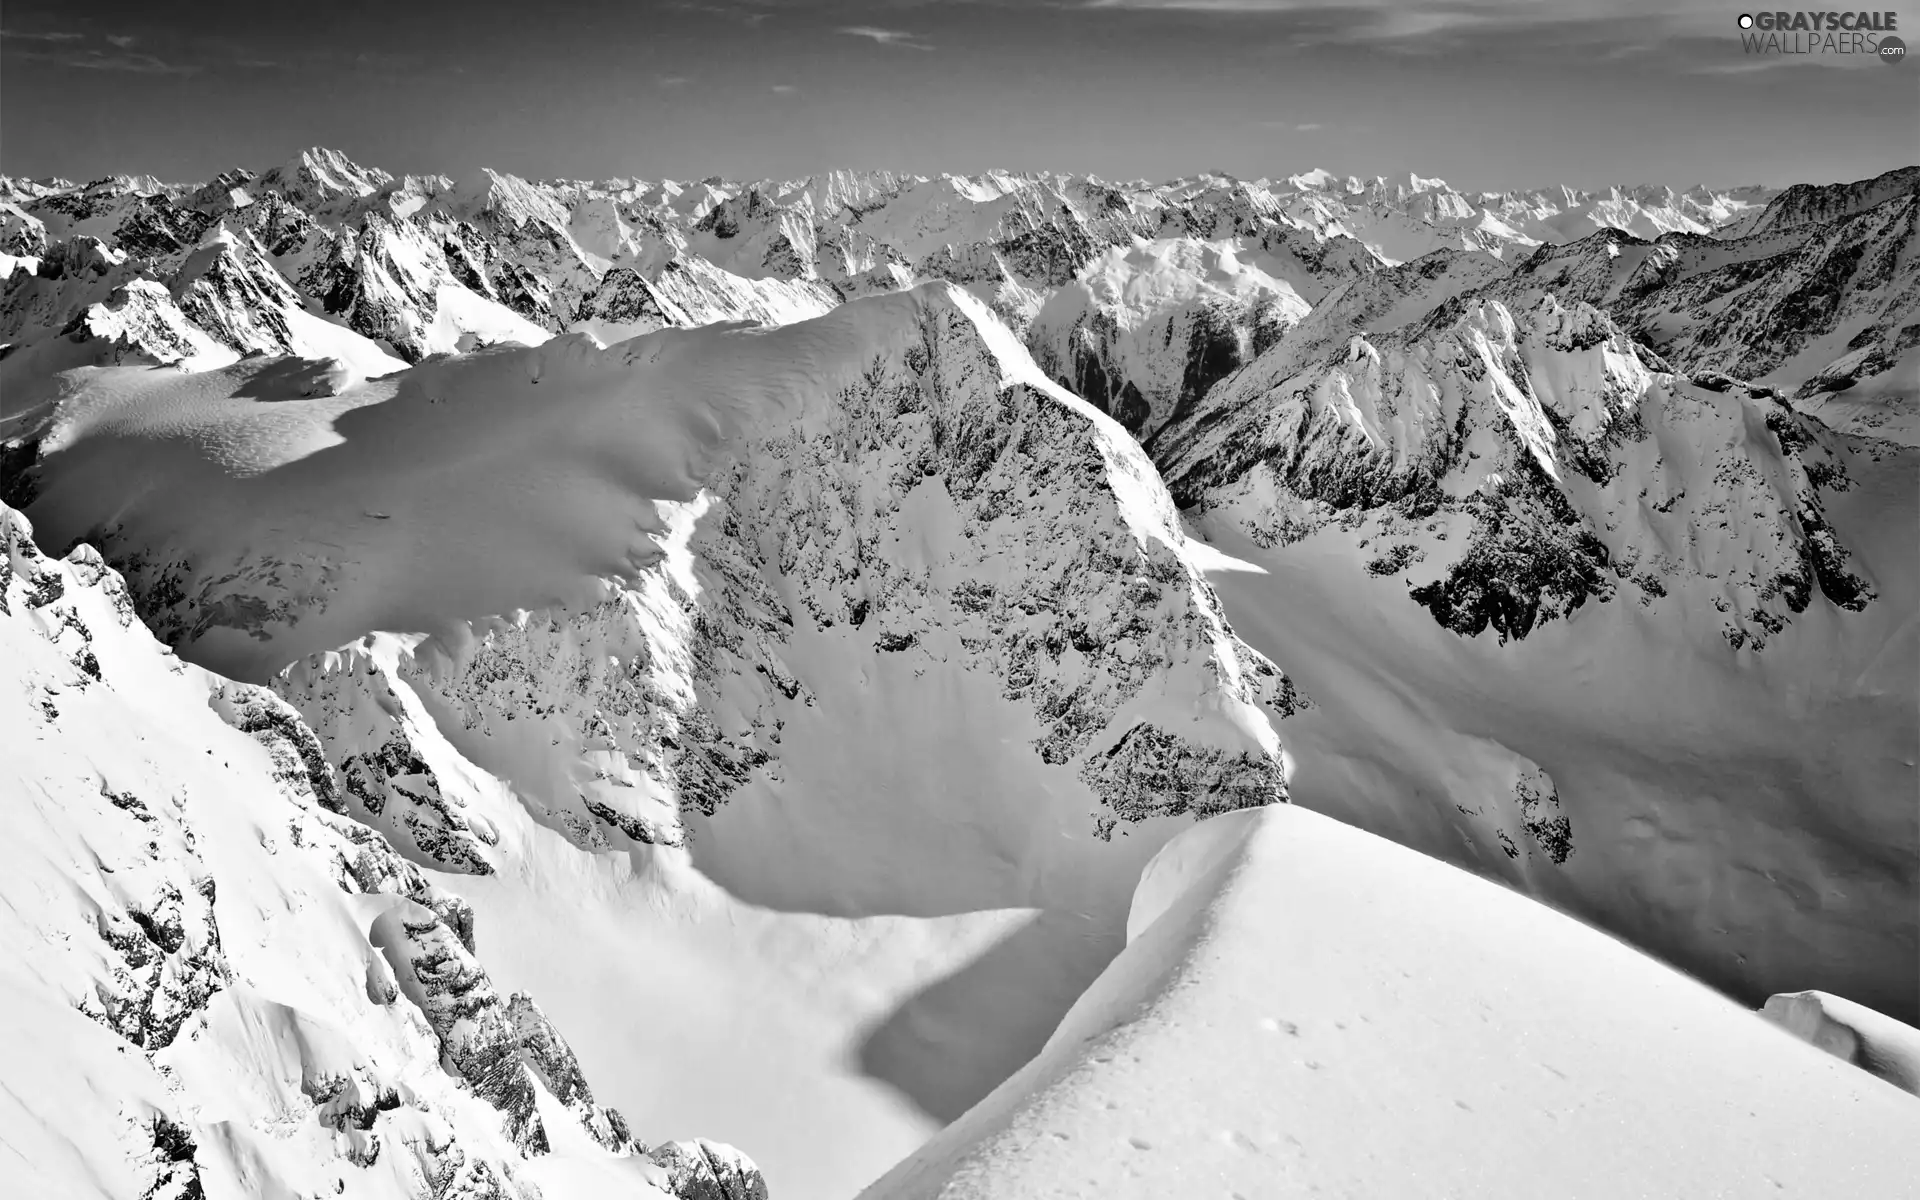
(704,1170)
(323,180)
(22,234)
(506,198)
(140,321)
(1491,409)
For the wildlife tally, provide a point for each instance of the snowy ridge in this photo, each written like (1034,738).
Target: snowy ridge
(1041,526)
(1284,982)
(1828,321)
(1809,203)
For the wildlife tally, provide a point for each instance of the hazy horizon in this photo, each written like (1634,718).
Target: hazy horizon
(1490,95)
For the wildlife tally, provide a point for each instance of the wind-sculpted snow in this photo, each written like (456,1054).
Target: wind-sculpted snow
(245,992)
(1287,979)
(1853,1033)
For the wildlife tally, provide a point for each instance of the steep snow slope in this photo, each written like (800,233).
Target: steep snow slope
(1305,1008)
(218,983)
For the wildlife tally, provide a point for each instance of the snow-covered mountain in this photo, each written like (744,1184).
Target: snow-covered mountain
(765,630)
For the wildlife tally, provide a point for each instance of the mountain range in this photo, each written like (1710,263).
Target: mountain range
(849,665)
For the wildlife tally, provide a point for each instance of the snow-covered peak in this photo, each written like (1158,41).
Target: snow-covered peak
(324,180)
(1318,179)
(506,198)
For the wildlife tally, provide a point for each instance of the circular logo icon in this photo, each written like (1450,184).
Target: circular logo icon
(1746,21)
(1892,50)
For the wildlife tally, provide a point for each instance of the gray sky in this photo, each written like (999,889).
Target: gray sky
(1487,94)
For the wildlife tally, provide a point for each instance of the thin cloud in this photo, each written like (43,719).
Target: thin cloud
(746,16)
(671,81)
(1781,62)
(122,40)
(15,35)
(1309,126)
(1415,26)
(784,89)
(887,37)
(100,60)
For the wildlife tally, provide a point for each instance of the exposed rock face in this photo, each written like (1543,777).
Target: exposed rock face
(704,1170)
(543,1050)
(386,783)
(437,972)
(298,759)
(230,289)
(139,321)
(1150,772)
